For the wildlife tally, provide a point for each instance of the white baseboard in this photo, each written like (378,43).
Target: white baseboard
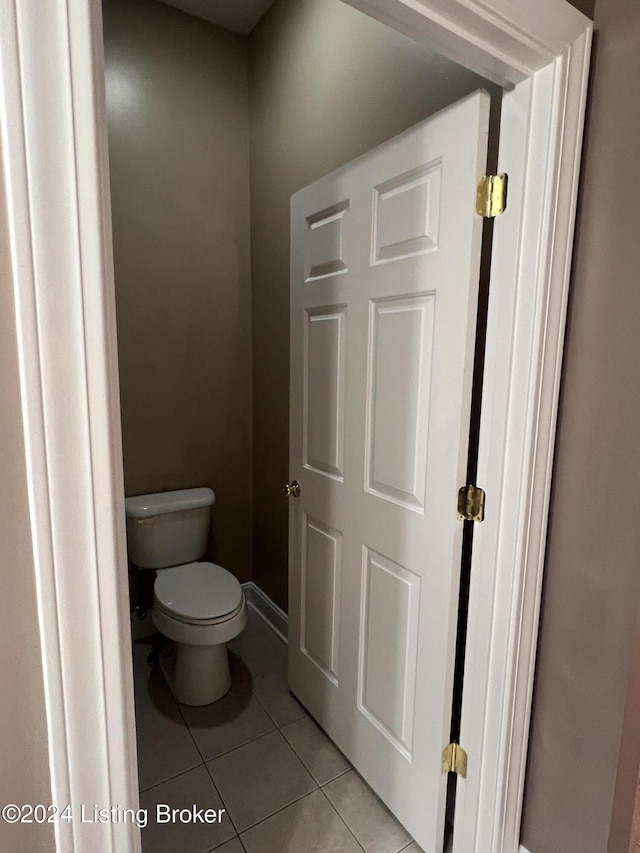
(267,610)
(523,849)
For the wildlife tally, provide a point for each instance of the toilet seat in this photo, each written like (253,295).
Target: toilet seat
(203,632)
(198,593)
(186,620)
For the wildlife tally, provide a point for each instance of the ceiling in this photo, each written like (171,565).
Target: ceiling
(240,16)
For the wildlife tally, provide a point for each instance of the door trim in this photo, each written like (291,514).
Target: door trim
(53,129)
(54,153)
(540,54)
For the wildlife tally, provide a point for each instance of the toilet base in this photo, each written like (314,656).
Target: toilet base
(198,669)
(196,675)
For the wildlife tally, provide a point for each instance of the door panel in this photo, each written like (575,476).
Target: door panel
(384,275)
(324,358)
(400,346)
(321,575)
(388,648)
(406,212)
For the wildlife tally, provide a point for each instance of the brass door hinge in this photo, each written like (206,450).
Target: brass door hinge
(454,760)
(491,195)
(471,500)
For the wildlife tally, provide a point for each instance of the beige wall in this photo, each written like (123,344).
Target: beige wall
(327,84)
(24,758)
(179,158)
(587,7)
(592,583)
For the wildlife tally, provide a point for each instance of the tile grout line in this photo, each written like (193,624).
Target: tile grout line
(277,811)
(271,814)
(272,718)
(242,745)
(264,708)
(218,792)
(228,841)
(170,779)
(334,807)
(339,776)
(295,754)
(308,769)
(348,828)
(237,746)
(188,727)
(260,737)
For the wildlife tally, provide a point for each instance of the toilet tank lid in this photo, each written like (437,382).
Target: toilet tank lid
(160,503)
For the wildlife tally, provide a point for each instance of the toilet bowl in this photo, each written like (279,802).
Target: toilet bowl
(198,605)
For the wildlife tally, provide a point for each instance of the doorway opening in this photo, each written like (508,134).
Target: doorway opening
(210,134)
(53,125)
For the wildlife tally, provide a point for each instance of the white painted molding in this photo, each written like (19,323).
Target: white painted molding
(267,610)
(504,42)
(54,150)
(529,283)
(523,849)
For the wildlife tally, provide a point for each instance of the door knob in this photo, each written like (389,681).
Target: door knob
(292,488)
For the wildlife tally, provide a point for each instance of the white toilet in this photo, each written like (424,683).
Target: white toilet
(200,606)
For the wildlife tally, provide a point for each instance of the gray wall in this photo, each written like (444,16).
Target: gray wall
(24,750)
(327,84)
(592,583)
(177,102)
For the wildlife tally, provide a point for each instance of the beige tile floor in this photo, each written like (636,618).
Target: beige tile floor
(257,754)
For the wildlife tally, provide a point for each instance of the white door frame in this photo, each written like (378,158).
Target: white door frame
(53,129)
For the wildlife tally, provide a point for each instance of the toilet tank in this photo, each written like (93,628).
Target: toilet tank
(168,528)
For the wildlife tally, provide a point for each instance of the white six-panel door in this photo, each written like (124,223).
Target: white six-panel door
(385,256)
